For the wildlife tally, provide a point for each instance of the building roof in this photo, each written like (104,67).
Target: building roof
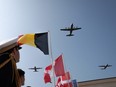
(98,81)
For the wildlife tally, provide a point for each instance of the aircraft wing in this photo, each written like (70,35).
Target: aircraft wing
(31,68)
(109,65)
(105,65)
(76,28)
(65,29)
(102,66)
(39,68)
(70,29)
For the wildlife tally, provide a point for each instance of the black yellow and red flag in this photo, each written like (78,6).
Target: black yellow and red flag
(39,40)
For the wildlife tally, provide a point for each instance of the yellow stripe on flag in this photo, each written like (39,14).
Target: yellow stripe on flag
(27,39)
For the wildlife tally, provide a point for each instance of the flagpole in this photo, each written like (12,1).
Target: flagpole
(50,52)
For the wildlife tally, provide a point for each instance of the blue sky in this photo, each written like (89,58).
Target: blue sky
(91,46)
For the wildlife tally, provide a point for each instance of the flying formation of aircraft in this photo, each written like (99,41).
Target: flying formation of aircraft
(70,29)
(35,68)
(105,66)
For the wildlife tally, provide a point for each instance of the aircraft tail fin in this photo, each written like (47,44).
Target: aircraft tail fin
(70,35)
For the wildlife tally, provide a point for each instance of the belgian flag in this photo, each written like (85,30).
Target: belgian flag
(39,40)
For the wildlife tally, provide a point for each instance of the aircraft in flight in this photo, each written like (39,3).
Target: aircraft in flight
(35,68)
(70,29)
(105,66)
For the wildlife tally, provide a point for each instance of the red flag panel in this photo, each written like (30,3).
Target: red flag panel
(68,84)
(48,67)
(66,76)
(59,66)
(47,78)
